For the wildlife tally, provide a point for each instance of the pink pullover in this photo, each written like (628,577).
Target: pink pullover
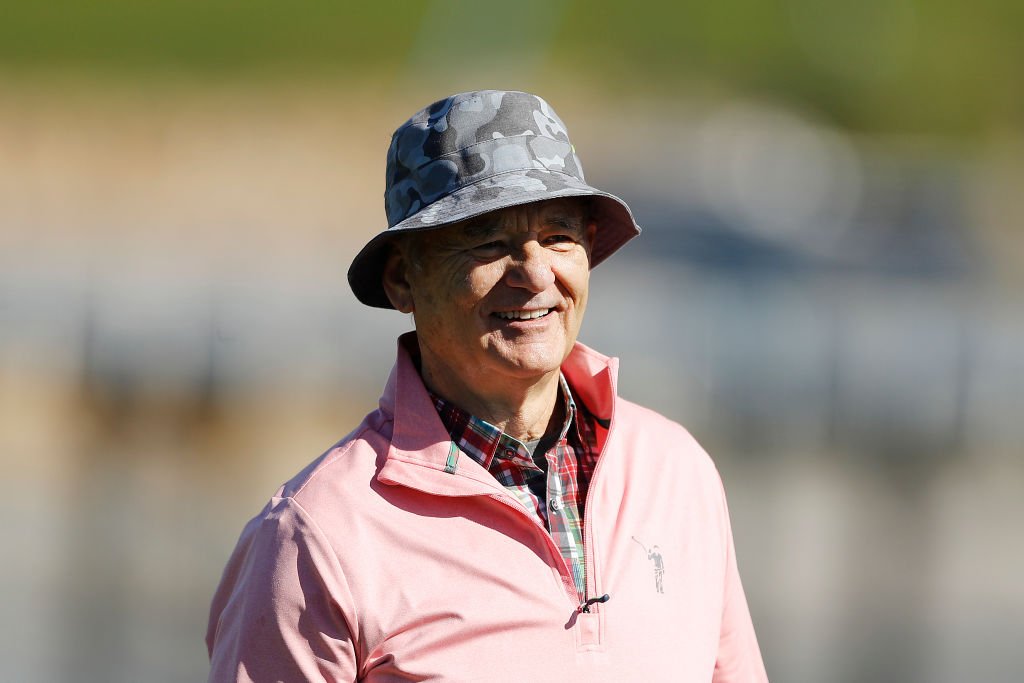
(390,558)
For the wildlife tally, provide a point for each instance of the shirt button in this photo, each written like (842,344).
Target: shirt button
(556,504)
(510,453)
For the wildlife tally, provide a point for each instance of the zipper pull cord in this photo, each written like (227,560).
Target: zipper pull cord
(585,606)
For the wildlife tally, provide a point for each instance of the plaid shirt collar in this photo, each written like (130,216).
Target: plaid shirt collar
(485,443)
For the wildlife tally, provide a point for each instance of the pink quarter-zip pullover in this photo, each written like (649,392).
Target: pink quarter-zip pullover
(392,558)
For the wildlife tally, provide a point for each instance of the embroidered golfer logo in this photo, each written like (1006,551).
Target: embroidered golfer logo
(654,555)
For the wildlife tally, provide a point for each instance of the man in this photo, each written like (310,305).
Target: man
(479,525)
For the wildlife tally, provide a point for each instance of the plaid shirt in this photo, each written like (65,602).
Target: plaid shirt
(558,498)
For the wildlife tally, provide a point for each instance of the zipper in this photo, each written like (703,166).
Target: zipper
(588,527)
(585,605)
(585,602)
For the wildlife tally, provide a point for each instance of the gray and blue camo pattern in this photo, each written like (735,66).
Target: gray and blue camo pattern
(477,152)
(471,137)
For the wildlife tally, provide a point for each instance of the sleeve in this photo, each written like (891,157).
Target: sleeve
(278,614)
(739,657)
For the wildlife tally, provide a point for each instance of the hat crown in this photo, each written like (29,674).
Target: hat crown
(467,138)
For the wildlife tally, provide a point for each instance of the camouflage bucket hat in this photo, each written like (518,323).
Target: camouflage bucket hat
(473,153)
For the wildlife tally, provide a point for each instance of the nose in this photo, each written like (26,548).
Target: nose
(530,269)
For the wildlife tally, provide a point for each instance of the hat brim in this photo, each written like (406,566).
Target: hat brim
(615,223)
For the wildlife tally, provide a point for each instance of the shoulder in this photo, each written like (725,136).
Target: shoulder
(300,507)
(661,445)
(344,468)
(640,422)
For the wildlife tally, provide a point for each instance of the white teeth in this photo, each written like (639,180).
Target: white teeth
(523,315)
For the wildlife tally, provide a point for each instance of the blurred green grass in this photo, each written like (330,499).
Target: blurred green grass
(945,67)
(204,37)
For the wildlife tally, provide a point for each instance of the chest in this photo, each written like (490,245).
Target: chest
(473,588)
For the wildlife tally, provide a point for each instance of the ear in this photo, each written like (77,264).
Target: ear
(395,279)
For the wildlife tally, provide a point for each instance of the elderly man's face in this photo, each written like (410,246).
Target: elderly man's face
(499,297)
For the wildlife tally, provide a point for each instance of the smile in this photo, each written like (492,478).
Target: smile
(523,315)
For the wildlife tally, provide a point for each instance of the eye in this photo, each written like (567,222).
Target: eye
(488,249)
(561,239)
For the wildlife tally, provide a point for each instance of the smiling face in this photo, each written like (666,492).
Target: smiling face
(498,298)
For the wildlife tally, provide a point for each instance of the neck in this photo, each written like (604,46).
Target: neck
(523,410)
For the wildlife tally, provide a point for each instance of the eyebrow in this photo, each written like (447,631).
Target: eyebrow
(573,222)
(480,228)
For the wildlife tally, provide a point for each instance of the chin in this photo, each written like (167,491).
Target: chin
(533,362)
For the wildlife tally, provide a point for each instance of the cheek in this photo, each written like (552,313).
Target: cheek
(479,282)
(576,277)
(449,294)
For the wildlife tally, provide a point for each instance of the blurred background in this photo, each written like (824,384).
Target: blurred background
(828,293)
